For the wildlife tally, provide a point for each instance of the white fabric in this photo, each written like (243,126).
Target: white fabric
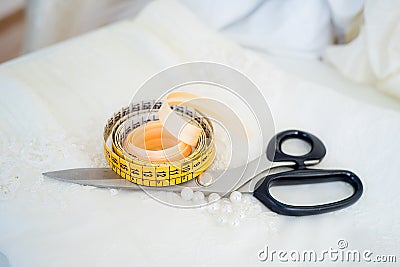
(346,18)
(49,22)
(53,107)
(374,56)
(289,27)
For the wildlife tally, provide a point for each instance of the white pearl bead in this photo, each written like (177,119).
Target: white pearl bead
(235,222)
(225,201)
(222,219)
(226,208)
(241,214)
(235,197)
(198,196)
(187,193)
(213,208)
(247,199)
(213,197)
(205,179)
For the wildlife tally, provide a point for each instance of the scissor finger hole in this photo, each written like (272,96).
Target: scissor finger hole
(312,194)
(295,147)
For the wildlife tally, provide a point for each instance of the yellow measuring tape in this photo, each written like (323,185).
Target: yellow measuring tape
(154,143)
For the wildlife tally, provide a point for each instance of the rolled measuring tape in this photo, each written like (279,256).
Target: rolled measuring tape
(160,143)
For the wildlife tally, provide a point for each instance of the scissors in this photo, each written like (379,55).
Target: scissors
(256,177)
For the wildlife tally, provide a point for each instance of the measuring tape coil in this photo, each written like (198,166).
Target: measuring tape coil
(130,121)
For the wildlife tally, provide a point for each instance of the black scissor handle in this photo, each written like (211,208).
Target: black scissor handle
(308,176)
(316,154)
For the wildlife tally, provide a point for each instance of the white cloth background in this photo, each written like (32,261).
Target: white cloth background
(280,27)
(290,27)
(374,56)
(53,106)
(49,22)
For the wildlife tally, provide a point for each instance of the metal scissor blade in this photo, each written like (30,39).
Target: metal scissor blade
(107,178)
(99,177)
(223,183)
